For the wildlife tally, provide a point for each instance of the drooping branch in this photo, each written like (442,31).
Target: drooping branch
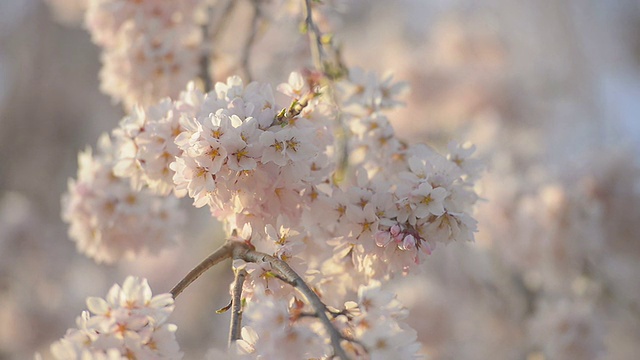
(236,306)
(241,250)
(223,19)
(315,37)
(333,68)
(206,56)
(286,273)
(212,32)
(329,64)
(245,59)
(222,253)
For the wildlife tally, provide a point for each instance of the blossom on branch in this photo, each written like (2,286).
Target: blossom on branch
(129,323)
(109,219)
(151,48)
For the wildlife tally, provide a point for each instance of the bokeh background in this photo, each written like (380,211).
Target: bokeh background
(548,90)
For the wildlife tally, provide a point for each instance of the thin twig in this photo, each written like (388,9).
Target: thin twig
(205,74)
(236,306)
(242,251)
(245,58)
(333,69)
(315,38)
(223,19)
(206,55)
(222,253)
(326,55)
(215,30)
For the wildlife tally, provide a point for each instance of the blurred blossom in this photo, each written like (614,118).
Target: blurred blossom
(109,219)
(150,49)
(128,323)
(544,89)
(68,12)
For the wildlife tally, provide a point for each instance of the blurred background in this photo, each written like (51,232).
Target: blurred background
(548,90)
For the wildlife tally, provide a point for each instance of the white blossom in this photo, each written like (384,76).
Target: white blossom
(129,323)
(108,218)
(151,48)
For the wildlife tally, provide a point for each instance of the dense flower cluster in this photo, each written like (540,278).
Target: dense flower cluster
(129,323)
(108,218)
(377,320)
(151,49)
(268,172)
(399,201)
(229,149)
(277,329)
(146,147)
(346,215)
(234,150)
(319,180)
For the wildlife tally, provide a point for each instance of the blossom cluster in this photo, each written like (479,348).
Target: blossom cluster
(229,149)
(268,170)
(151,48)
(129,323)
(283,330)
(235,150)
(109,219)
(397,201)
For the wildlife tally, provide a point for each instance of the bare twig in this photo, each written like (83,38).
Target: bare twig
(206,55)
(205,75)
(223,19)
(245,58)
(326,56)
(236,306)
(212,33)
(222,253)
(315,38)
(333,69)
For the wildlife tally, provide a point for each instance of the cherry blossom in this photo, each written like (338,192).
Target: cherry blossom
(109,218)
(129,323)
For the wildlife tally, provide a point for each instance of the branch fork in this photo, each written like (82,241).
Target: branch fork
(240,250)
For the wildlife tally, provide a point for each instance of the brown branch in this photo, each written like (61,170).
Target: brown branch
(236,306)
(211,38)
(242,251)
(222,253)
(206,56)
(333,68)
(315,37)
(326,55)
(223,19)
(245,58)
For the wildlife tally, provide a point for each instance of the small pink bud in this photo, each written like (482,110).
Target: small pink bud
(409,242)
(395,230)
(383,238)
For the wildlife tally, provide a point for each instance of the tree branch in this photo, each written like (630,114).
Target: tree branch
(206,56)
(315,38)
(236,306)
(329,64)
(222,253)
(253,33)
(242,251)
(333,69)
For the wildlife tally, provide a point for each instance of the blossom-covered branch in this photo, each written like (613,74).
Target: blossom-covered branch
(334,222)
(243,252)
